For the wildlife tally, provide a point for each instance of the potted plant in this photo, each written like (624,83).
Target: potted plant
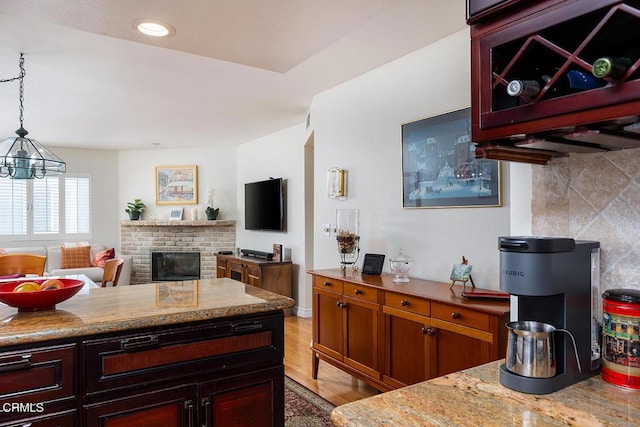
(135,209)
(210,211)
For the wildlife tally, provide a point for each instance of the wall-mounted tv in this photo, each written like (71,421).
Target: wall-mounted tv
(264,205)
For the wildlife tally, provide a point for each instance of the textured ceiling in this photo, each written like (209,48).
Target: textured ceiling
(234,70)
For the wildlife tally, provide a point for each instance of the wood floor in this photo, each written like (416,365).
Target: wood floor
(332,384)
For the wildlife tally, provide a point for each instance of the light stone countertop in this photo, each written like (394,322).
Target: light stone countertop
(97,310)
(475,397)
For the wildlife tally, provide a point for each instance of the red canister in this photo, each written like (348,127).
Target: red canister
(621,337)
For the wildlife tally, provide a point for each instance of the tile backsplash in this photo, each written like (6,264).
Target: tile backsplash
(594,197)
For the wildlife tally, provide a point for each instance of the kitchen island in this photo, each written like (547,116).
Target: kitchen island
(189,353)
(475,397)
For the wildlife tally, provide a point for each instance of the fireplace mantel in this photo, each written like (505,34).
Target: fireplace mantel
(181,223)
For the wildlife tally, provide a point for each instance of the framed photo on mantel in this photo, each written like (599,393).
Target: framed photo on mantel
(439,168)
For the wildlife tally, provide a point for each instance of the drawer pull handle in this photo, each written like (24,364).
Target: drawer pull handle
(455,315)
(251,276)
(207,409)
(139,343)
(358,292)
(327,283)
(22,362)
(404,302)
(428,331)
(341,304)
(188,405)
(246,326)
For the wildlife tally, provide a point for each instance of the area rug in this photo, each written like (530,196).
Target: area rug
(304,408)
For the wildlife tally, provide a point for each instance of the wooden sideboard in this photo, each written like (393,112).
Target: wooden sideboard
(394,334)
(272,276)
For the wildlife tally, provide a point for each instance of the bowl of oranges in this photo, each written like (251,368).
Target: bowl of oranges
(38,294)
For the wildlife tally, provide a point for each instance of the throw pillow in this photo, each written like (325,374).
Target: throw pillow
(74,244)
(3,252)
(76,257)
(101,257)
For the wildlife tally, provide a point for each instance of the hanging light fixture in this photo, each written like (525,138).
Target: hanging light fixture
(26,158)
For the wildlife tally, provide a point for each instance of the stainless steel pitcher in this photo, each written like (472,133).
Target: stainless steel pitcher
(530,349)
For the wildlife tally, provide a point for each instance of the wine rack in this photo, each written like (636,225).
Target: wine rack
(546,41)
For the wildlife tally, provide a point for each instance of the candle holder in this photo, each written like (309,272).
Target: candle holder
(348,238)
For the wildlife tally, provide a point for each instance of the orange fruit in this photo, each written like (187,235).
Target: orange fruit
(27,287)
(51,284)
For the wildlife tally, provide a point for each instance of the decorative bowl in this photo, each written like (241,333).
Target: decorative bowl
(41,299)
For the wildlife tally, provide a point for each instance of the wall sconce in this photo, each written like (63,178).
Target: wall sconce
(337,183)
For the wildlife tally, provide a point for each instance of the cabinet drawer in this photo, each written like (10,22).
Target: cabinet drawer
(128,360)
(460,316)
(407,303)
(328,284)
(364,293)
(38,375)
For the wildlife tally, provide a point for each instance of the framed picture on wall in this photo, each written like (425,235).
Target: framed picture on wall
(176,185)
(439,168)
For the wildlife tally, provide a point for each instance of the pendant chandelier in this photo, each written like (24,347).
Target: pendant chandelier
(26,158)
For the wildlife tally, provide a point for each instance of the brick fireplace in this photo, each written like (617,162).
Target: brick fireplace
(140,238)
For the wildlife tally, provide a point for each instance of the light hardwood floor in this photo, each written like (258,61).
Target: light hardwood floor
(332,384)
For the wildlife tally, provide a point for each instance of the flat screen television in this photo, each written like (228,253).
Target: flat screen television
(264,205)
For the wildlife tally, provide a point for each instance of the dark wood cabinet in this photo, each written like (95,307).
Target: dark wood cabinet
(392,335)
(273,276)
(215,372)
(553,42)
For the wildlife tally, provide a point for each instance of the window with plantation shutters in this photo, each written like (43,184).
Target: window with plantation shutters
(48,208)
(13,207)
(77,212)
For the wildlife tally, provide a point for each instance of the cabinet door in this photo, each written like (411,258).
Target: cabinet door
(165,407)
(253,275)
(67,419)
(253,400)
(221,268)
(327,322)
(235,270)
(456,351)
(360,331)
(409,343)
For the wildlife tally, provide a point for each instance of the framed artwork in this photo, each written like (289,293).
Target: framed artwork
(175,214)
(439,168)
(177,185)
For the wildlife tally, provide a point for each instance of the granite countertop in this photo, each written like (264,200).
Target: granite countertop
(475,397)
(98,310)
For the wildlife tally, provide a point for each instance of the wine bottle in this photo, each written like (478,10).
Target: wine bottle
(610,67)
(528,88)
(571,82)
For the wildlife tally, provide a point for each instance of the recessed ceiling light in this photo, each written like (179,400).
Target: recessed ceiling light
(153,28)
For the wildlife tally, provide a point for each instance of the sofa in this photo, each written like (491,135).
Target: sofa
(54,262)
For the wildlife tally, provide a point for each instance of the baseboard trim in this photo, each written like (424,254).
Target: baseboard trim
(302,312)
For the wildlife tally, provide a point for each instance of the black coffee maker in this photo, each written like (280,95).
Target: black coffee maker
(554,281)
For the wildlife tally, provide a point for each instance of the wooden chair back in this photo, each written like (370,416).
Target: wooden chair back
(22,264)
(112,269)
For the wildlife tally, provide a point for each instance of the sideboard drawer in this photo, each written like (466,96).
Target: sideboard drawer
(407,303)
(327,283)
(128,360)
(460,316)
(38,375)
(364,293)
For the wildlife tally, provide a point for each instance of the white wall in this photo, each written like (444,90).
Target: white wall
(279,155)
(216,168)
(357,127)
